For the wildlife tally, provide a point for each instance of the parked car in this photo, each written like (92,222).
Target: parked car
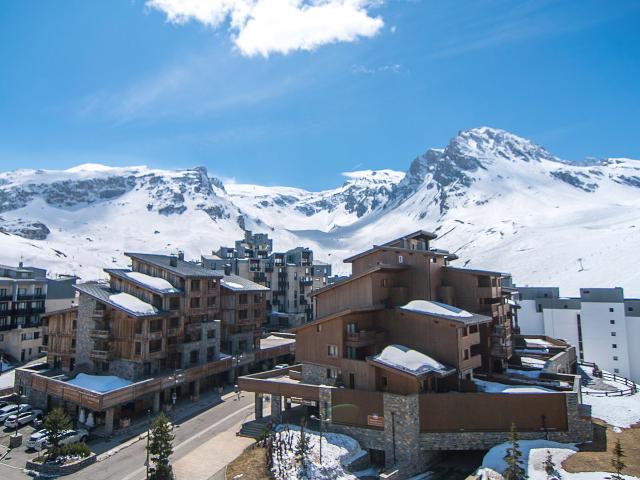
(35,437)
(13,409)
(68,437)
(3,403)
(282,365)
(22,418)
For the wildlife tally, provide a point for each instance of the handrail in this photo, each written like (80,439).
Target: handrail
(624,392)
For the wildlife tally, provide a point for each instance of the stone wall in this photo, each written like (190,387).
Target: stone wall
(563,362)
(316,375)
(59,470)
(127,369)
(366,437)
(84,342)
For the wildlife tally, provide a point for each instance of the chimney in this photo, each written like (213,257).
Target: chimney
(227,269)
(21,264)
(180,255)
(173,260)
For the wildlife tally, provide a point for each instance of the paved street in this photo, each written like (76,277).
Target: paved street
(203,445)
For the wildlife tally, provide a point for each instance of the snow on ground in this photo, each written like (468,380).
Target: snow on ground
(132,304)
(153,282)
(436,308)
(621,412)
(403,358)
(495,387)
(534,455)
(99,383)
(337,451)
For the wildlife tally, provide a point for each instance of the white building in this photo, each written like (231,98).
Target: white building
(604,327)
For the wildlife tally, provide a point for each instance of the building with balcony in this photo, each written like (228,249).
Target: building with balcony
(601,323)
(23,292)
(409,355)
(290,276)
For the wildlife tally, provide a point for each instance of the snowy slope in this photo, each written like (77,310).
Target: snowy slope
(498,200)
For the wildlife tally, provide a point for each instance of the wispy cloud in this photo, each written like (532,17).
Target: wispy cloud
(263,27)
(364,70)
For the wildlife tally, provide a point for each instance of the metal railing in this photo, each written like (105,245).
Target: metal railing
(630,387)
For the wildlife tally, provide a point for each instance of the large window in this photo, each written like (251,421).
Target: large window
(195,285)
(195,302)
(155,345)
(243,298)
(332,350)
(242,314)
(155,325)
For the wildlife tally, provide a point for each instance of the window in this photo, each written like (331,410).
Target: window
(614,345)
(211,353)
(318,328)
(155,345)
(466,354)
(4,306)
(332,350)
(211,333)
(613,334)
(195,302)
(174,322)
(195,285)
(174,303)
(173,340)
(38,290)
(211,301)
(2,338)
(539,308)
(242,314)
(332,373)
(138,348)
(36,335)
(400,259)
(256,313)
(73,342)
(611,309)
(155,325)
(612,322)
(384,282)
(212,284)
(194,356)
(3,292)
(243,299)
(385,382)
(616,370)
(22,291)
(615,358)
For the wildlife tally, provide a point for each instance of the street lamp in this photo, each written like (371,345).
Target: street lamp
(321,422)
(236,358)
(148,432)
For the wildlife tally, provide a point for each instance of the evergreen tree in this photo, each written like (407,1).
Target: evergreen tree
(617,461)
(56,423)
(514,470)
(303,447)
(549,466)
(160,448)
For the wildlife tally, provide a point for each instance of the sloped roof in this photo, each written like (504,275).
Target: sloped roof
(104,292)
(237,283)
(182,268)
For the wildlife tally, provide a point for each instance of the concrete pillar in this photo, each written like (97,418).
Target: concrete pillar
(276,408)
(196,389)
(259,406)
(108,421)
(156,402)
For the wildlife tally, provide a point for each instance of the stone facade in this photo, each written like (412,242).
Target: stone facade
(563,362)
(56,470)
(126,369)
(84,342)
(316,375)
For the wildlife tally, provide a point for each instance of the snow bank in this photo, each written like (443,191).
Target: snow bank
(337,451)
(435,308)
(495,387)
(534,453)
(412,361)
(132,304)
(621,412)
(153,282)
(7,379)
(99,383)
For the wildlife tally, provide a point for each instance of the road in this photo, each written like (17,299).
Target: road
(128,464)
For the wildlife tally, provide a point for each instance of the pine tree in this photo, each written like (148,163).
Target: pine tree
(160,448)
(56,422)
(617,461)
(549,466)
(514,470)
(303,447)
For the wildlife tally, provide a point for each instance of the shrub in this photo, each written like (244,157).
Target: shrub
(80,449)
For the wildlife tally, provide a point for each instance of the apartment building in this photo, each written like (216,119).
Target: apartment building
(23,291)
(291,276)
(395,360)
(154,333)
(600,323)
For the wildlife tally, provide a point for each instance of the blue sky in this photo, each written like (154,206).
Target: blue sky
(124,82)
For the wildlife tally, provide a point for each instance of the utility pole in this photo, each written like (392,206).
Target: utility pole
(148,433)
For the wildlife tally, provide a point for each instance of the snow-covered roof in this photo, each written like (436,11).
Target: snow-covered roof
(155,283)
(133,304)
(495,387)
(410,361)
(537,342)
(99,383)
(273,341)
(437,309)
(239,284)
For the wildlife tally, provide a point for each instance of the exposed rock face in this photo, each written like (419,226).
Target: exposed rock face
(25,228)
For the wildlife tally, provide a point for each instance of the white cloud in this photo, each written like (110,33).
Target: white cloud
(363,70)
(262,27)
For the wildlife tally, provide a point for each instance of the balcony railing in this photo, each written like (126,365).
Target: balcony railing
(362,338)
(99,333)
(100,354)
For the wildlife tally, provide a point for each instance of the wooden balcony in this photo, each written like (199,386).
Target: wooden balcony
(100,354)
(104,334)
(363,338)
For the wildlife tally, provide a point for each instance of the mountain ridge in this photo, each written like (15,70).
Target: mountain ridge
(497,199)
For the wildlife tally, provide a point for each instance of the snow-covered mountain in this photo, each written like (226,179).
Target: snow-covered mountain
(498,200)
